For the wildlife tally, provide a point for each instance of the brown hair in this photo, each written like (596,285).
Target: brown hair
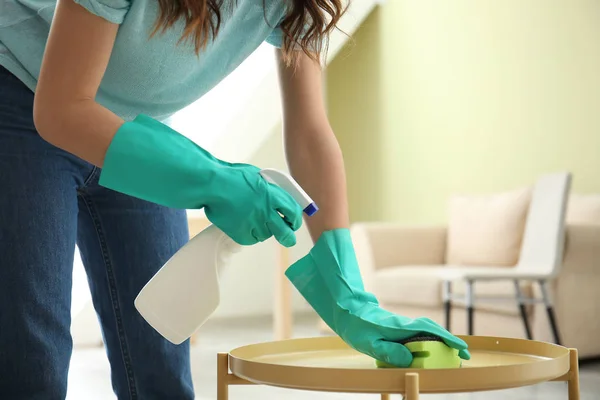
(305,25)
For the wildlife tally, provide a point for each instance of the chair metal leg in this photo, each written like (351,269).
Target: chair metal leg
(523,309)
(447,290)
(550,311)
(470,306)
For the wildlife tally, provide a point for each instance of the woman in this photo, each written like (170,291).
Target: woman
(86,160)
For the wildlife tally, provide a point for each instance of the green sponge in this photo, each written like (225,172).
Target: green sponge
(428,352)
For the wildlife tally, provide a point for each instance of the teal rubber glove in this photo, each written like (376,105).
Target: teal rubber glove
(330,281)
(149,160)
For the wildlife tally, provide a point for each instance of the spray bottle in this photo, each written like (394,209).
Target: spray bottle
(184,293)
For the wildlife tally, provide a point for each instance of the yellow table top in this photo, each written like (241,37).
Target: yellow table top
(328,364)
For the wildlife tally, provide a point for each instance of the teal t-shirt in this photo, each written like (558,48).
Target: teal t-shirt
(154,76)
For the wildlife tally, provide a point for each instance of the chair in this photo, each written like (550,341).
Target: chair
(540,258)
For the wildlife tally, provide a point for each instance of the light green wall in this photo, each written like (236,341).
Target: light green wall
(354,93)
(438,97)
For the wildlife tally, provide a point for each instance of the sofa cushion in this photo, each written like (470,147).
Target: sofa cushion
(411,285)
(499,289)
(487,229)
(421,286)
(583,209)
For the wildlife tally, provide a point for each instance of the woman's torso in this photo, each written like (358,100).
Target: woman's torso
(156,76)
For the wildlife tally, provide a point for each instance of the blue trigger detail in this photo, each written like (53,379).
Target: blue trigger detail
(311,209)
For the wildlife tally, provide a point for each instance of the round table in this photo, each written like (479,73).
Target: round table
(327,364)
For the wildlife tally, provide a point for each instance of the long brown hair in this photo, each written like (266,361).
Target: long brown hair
(307,24)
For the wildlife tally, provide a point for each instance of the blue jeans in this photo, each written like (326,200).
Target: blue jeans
(50,201)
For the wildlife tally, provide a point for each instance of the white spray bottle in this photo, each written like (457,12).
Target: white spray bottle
(184,293)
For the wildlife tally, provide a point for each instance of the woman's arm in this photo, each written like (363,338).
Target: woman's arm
(76,56)
(313,153)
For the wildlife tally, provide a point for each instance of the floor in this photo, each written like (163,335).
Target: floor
(89,377)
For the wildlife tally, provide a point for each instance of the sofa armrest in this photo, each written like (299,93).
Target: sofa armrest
(382,245)
(582,250)
(575,294)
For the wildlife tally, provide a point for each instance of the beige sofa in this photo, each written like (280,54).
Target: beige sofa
(385,248)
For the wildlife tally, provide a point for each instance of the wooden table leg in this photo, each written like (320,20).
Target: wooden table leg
(282,316)
(222,376)
(573,381)
(385,396)
(412,387)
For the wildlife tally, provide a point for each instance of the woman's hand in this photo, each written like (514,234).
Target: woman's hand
(250,209)
(330,281)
